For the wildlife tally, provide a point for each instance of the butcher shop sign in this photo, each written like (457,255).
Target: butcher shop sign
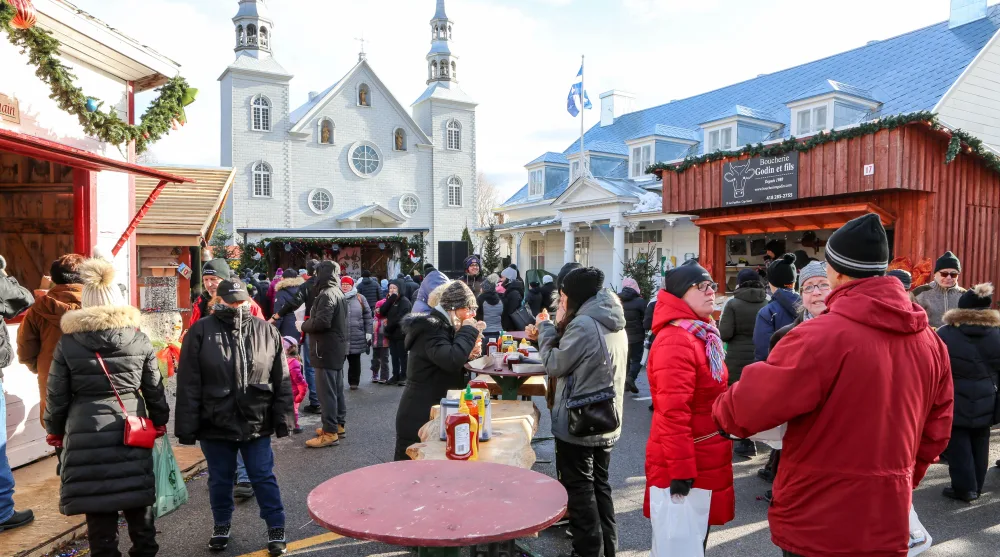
(760,180)
(9,110)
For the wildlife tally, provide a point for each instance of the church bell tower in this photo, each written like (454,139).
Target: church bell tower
(442,65)
(253,29)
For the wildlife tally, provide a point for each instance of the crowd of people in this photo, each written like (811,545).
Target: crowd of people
(918,384)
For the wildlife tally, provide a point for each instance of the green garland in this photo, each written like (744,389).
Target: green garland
(320,244)
(958,138)
(43,49)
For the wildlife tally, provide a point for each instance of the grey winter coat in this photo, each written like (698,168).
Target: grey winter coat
(99,473)
(736,328)
(936,301)
(579,357)
(286,293)
(327,323)
(359,322)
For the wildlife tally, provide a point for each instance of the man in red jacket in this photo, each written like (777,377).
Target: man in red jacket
(867,393)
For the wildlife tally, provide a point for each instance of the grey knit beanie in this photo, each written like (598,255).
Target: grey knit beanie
(812,270)
(454,295)
(99,287)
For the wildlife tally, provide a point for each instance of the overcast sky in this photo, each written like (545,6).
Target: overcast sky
(517,57)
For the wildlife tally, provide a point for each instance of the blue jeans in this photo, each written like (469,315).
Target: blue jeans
(6,476)
(310,373)
(241,470)
(220,456)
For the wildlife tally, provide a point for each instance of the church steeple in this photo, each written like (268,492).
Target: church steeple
(253,29)
(442,65)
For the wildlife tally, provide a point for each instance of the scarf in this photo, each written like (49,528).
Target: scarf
(713,344)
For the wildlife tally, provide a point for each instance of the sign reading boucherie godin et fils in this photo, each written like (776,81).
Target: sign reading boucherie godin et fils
(760,180)
(9,109)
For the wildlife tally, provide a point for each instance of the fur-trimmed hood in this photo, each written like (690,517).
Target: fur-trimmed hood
(100,318)
(288,283)
(975,317)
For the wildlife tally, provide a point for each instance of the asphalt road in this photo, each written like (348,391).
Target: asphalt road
(958,529)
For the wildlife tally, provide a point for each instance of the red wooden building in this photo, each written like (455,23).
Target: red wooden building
(927,206)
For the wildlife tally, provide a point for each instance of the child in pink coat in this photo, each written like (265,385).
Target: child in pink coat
(299,386)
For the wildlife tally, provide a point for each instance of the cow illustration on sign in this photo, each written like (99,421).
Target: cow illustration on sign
(738,176)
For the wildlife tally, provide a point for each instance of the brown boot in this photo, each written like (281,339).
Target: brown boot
(325,440)
(319,431)
(341,431)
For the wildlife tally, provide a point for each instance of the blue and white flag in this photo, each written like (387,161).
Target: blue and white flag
(573,102)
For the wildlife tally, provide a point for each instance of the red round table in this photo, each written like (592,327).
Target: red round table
(438,506)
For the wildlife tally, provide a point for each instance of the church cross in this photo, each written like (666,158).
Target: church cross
(361,55)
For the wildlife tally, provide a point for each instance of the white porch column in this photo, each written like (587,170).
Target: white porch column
(517,251)
(617,258)
(569,245)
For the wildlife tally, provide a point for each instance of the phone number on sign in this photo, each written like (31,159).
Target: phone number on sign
(788,195)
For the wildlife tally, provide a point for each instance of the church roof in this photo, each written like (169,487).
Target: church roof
(372,209)
(439,13)
(266,65)
(301,111)
(445,91)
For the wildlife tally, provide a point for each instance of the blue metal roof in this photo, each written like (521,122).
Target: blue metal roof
(831,86)
(911,72)
(740,110)
(667,131)
(550,157)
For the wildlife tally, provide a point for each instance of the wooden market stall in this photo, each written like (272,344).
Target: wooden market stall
(180,224)
(928,204)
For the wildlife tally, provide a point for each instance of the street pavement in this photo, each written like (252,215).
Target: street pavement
(957,528)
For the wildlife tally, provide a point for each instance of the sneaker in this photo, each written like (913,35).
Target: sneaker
(402,383)
(297,430)
(18,519)
(220,537)
(341,431)
(313,409)
(354,387)
(967,496)
(243,490)
(630,386)
(395,381)
(276,541)
(324,440)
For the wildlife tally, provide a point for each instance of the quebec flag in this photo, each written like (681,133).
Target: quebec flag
(573,101)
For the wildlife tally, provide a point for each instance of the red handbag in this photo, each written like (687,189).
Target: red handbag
(139,432)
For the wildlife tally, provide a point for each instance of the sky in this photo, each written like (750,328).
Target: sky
(517,58)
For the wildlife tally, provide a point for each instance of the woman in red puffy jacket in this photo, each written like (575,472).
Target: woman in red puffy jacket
(686,371)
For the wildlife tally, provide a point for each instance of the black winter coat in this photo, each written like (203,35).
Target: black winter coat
(736,328)
(394,310)
(99,472)
(534,300)
(232,380)
(370,289)
(327,323)
(512,298)
(285,295)
(409,288)
(436,364)
(14,299)
(973,340)
(550,298)
(635,315)
(304,295)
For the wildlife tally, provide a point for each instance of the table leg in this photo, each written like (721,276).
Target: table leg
(509,386)
(439,551)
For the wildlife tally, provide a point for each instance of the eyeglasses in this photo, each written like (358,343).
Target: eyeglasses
(816,288)
(952,274)
(704,286)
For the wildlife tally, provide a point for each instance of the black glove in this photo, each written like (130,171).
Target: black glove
(680,487)
(186,440)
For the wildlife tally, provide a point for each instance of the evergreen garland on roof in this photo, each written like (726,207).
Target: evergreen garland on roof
(42,50)
(973,145)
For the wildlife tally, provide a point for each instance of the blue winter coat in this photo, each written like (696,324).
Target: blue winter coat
(433,280)
(780,311)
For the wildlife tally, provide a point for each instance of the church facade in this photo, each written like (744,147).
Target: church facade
(352,164)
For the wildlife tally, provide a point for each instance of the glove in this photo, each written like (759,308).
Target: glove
(161,430)
(186,440)
(680,487)
(54,440)
(281,430)
(645,357)
(368,338)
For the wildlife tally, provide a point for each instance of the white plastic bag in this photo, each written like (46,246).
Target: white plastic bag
(679,528)
(771,437)
(920,538)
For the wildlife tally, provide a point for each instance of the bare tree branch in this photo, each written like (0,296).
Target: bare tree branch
(486,200)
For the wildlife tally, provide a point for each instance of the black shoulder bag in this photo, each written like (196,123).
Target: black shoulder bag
(594,413)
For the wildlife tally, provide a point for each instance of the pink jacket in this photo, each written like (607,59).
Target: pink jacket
(299,386)
(380,322)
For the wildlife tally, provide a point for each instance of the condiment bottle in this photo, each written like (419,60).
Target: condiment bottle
(472,407)
(459,428)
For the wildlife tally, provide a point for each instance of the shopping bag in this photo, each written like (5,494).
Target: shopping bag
(171,492)
(771,437)
(920,538)
(679,527)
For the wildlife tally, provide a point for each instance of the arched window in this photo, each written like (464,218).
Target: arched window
(434,69)
(454,135)
(263,37)
(320,201)
(364,95)
(241,39)
(399,140)
(449,31)
(454,70)
(252,35)
(261,117)
(434,33)
(444,68)
(454,192)
(327,131)
(261,180)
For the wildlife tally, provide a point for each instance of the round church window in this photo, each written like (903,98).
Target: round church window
(365,159)
(320,201)
(409,204)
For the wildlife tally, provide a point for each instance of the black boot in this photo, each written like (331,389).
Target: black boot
(770,469)
(745,448)
(276,541)
(18,519)
(220,537)
(967,496)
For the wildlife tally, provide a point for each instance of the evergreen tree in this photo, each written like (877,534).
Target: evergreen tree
(220,240)
(467,238)
(491,252)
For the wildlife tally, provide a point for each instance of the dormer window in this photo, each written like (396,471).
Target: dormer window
(720,140)
(642,157)
(831,104)
(811,120)
(536,183)
(574,170)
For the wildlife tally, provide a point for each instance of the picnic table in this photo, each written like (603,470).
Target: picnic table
(438,506)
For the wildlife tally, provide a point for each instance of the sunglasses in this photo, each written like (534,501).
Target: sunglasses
(952,274)
(704,286)
(816,288)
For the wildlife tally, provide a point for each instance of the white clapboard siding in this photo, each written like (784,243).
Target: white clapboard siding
(25,436)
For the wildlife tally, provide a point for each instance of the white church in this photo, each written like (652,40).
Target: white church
(351,165)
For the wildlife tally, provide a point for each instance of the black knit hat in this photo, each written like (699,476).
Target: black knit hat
(904,277)
(801,259)
(365,273)
(678,280)
(427,268)
(582,284)
(565,271)
(979,296)
(747,275)
(781,272)
(948,261)
(289,274)
(859,249)
(777,247)
(217,267)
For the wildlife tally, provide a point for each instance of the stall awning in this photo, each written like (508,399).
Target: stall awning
(791,220)
(185,215)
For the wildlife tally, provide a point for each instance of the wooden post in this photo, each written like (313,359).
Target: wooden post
(184,287)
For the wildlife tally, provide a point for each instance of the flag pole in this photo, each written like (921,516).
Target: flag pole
(583,89)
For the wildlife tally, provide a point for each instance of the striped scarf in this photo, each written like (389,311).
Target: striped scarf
(713,344)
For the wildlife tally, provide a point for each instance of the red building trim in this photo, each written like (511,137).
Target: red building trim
(84,211)
(133,255)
